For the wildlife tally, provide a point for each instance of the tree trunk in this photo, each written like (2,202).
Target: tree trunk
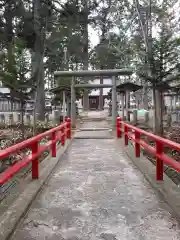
(9,46)
(102,40)
(40,107)
(127,105)
(22,119)
(9,35)
(37,63)
(85,53)
(158,112)
(85,100)
(122,105)
(68,107)
(145,96)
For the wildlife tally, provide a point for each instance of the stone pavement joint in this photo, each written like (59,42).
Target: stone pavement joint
(96,193)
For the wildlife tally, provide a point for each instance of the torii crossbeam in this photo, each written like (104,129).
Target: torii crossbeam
(94,73)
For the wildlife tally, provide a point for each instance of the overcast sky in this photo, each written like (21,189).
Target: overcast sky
(93,36)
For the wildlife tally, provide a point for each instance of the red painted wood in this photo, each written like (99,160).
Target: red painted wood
(133,133)
(37,150)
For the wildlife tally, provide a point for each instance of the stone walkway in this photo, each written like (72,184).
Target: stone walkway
(96,193)
(95,126)
(95,114)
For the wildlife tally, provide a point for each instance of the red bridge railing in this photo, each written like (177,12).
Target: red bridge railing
(59,133)
(133,133)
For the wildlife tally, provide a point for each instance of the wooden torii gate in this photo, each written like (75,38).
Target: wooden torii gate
(93,73)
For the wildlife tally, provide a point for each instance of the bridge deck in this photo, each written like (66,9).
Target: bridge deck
(97,193)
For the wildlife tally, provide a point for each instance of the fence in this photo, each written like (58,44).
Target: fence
(59,133)
(133,133)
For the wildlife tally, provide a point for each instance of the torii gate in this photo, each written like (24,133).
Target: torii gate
(93,73)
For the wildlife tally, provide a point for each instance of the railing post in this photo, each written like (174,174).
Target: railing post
(35,162)
(53,147)
(125,135)
(62,134)
(159,162)
(68,120)
(118,127)
(137,143)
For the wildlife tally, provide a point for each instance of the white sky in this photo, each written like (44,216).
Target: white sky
(93,36)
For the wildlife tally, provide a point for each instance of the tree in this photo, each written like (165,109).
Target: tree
(161,56)
(104,24)
(113,49)
(75,15)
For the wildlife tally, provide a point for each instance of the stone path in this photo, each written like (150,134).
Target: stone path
(95,114)
(100,134)
(96,193)
(95,126)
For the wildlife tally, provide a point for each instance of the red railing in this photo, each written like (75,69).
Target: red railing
(133,133)
(59,133)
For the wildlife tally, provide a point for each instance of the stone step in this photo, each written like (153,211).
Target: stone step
(94,129)
(93,137)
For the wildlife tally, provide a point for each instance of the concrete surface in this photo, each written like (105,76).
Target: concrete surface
(27,193)
(167,188)
(97,193)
